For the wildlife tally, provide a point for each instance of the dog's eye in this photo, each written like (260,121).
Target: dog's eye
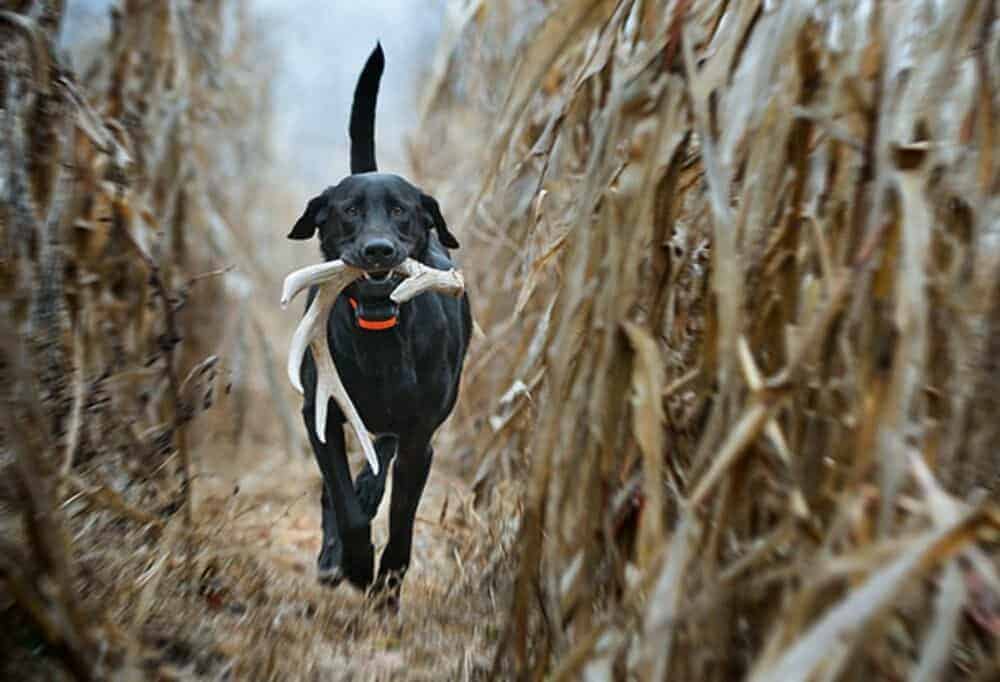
(396,211)
(351,211)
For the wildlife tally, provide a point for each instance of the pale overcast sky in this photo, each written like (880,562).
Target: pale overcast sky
(323,46)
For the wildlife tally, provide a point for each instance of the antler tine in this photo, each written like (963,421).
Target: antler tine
(332,278)
(317,274)
(420,278)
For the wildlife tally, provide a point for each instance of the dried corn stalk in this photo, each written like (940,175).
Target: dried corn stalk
(104,214)
(737,265)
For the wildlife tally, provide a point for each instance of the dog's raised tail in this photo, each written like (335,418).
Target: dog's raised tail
(363,113)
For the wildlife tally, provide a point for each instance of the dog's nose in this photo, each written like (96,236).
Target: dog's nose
(379,250)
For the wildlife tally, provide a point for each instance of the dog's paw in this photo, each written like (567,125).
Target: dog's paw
(384,594)
(384,601)
(328,569)
(330,577)
(358,561)
(359,569)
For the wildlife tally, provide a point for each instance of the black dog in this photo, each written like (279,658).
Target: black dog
(400,365)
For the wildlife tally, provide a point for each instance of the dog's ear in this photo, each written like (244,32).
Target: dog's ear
(430,205)
(315,215)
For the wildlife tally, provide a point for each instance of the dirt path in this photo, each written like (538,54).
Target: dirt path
(269,508)
(273,503)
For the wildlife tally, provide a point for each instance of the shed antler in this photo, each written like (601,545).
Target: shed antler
(332,278)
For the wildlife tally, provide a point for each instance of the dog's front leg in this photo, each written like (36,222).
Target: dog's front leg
(413,463)
(328,570)
(346,527)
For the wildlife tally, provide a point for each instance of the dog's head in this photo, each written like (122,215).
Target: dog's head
(372,221)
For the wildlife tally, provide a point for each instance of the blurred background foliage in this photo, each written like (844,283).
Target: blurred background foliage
(733,411)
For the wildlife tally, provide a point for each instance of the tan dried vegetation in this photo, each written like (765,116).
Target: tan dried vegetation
(734,411)
(737,265)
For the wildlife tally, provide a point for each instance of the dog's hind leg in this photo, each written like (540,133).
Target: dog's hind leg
(409,477)
(369,487)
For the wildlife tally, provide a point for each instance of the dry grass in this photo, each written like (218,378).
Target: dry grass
(733,417)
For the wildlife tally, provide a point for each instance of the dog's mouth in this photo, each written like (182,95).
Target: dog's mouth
(378,276)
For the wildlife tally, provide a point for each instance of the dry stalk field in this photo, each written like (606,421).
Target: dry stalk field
(733,413)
